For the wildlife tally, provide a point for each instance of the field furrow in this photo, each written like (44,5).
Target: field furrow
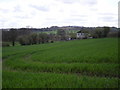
(73,64)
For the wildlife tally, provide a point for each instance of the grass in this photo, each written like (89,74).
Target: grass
(82,68)
(53,80)
(90,63)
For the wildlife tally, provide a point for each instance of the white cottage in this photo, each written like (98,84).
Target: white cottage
(81,35)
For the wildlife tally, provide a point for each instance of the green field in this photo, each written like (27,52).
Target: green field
(55,31)
(89,63)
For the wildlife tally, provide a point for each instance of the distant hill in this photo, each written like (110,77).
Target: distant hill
(52,28)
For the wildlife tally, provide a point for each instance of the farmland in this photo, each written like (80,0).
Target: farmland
(89,63)
(55,31)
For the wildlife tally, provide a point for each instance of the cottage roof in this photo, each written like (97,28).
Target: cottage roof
(79,32)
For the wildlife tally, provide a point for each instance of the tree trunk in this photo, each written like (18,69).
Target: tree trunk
(13,43)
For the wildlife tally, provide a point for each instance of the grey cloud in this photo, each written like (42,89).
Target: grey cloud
(17,9)
(22,17)
(76,19)
(51,19)
(76,15)
(108,14)
(91,2)
(58,23)
(85,2)
(94,9)
(67,1)
(4,10)
(12,24)
(2,20)
(9,25)
(41,8)
(108,19)
(119,22)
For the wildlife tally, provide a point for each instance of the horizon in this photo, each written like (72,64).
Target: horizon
(57,26)
(41,14)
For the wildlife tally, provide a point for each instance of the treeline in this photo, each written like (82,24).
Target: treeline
(34,38)
(101,32)
(24,37)
(12,35)
(27,37)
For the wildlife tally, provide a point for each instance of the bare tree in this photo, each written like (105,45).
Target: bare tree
(12,36)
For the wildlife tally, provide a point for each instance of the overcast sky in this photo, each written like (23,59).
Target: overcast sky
(46,13)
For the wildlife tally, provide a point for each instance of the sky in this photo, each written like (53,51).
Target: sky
(47,13)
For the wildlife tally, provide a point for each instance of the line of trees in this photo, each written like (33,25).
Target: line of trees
(26,37)
(34,39)
(100,32)
(12,35)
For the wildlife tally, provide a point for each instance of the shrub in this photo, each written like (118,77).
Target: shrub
(5,44)
(112,34)
(24,40)
(52,41)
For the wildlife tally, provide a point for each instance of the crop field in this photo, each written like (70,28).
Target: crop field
(55,31)
(49,32)
(89,63)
